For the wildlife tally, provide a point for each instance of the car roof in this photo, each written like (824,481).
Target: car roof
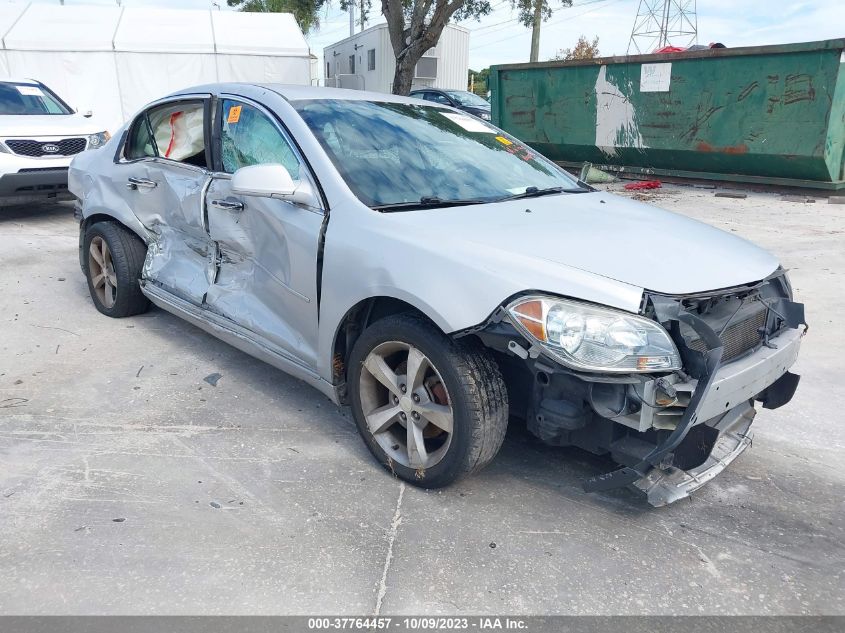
(297,93)
(19,80)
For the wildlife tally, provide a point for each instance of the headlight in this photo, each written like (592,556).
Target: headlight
(98,140)
(587,337)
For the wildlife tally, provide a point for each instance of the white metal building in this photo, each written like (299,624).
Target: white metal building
(365,61)
(113,60)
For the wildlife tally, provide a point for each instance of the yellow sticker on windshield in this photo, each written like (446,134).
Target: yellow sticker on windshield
(234,114)
(503,140)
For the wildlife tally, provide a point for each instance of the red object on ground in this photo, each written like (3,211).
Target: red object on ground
(670,49)
(646,184)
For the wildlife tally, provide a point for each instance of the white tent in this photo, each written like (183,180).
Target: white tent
(113,60)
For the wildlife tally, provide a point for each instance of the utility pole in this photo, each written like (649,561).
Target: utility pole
(662,23)
(351,19)
(535,30)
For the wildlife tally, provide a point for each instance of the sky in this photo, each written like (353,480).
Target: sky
(499,38)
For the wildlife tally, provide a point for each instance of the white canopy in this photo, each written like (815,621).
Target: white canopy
(258,34)
(50,27)
(47,27)
(113,60)
(150,30)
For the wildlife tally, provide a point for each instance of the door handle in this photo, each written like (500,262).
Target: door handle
(134,183)
(228,205)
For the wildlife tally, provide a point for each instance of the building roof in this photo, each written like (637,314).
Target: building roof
(383,25)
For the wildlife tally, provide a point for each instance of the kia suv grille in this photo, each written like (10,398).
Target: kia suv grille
(37,149)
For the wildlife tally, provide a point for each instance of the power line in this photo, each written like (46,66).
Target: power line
(508,22)
(552,23)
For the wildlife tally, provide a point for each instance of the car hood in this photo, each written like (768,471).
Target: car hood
(37,125)
(605,235)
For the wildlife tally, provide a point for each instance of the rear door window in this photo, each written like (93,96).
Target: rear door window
(436,97)
(175,131)
(141,143)
(250,137)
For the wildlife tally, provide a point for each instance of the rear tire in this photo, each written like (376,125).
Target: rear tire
(454,394)
(113,258)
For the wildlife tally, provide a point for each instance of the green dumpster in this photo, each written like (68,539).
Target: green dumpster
(769,114)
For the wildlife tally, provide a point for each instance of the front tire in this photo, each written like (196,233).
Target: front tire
(431,409)
(113,258)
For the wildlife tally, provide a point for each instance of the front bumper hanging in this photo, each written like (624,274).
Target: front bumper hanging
(654,474)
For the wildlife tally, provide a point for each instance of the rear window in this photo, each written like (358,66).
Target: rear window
(27,99)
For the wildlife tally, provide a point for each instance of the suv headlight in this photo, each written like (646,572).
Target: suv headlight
(587,337)
(98,140)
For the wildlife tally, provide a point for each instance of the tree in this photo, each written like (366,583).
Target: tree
(306,12)
(416,25)
(481,79)
(584,49)
(532,13)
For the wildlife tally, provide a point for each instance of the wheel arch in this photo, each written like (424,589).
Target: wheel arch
(358,318)
(103,216)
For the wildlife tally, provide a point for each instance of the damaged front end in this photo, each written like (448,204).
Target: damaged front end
(670,431)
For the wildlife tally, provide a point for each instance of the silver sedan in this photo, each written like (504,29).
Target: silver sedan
(441,278)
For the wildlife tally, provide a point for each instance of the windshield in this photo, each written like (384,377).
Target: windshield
(23,98)
(468,98)
(393,153)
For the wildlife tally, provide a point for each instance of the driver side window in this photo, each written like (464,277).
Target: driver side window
(249,137)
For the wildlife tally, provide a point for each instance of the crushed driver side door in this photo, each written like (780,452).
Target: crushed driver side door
(265,276)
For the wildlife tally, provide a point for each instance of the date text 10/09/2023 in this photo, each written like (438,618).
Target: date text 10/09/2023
(422,623)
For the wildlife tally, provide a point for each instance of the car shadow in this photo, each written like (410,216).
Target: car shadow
(522,456)
(37,210)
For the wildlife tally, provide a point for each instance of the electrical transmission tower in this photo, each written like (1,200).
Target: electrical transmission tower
(662,23)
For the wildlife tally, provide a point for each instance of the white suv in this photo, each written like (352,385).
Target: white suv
(39,135)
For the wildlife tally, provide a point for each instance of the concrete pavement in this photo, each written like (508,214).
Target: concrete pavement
(129,484)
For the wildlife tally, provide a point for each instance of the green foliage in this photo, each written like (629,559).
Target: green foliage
(306,12)
(482,81)
(526,9)
(584,49)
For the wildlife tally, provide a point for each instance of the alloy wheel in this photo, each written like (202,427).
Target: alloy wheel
(101,271)
(406,405)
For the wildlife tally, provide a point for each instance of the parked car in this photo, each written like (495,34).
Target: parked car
(460,99)
(39,135)
(438,276)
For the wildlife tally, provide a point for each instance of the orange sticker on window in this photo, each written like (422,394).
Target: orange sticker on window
(234,114)
(503,140)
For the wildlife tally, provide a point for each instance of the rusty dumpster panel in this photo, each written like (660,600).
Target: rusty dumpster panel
(773,111)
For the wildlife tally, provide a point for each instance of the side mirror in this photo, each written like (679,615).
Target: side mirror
(273,181)
(88,114)
(267,181)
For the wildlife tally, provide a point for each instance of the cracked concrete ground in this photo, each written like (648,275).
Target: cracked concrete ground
(128,484)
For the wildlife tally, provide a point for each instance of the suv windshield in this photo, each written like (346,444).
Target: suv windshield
(395,153)
(468,99)
(23,98)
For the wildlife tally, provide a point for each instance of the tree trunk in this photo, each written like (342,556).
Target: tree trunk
(411,41)
(535,30)
(404,75)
